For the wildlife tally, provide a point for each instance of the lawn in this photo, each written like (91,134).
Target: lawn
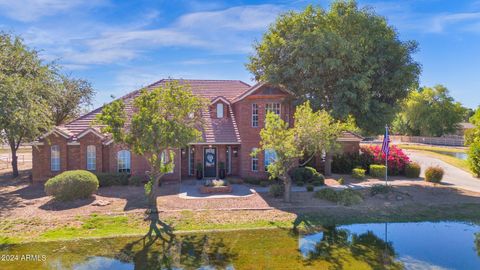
(435,151)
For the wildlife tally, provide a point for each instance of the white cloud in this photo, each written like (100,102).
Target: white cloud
(440,22)
(31,10)
(225,31)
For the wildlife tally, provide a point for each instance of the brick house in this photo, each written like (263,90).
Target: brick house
(233,120)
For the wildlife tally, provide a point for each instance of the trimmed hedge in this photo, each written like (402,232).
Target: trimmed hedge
(412,170)
(358,173)
(307,175)
(310,187)
(113,179)
(72,185)
(434,174)
(377,171)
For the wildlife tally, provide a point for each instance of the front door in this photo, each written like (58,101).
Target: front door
(210,162)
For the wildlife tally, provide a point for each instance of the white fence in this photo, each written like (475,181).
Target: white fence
(447,141)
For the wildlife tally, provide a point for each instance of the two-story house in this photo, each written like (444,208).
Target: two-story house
(232,123)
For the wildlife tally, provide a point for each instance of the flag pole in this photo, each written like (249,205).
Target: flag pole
(386,156)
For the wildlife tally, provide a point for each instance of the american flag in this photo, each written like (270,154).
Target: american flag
(386,143)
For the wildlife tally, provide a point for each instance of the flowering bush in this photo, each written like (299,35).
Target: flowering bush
(397,159)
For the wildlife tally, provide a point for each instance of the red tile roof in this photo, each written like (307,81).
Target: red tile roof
(215,130)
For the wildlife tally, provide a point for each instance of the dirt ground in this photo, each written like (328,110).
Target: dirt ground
(21,200)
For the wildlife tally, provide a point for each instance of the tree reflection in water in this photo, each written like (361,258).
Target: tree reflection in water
(161,249)
(338,244)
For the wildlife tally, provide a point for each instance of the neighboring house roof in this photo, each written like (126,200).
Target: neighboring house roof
(350,136)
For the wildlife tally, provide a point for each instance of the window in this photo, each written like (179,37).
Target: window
(270,156)
(191,161)
(166,159)
(254,161)
(229,160)
(272,107)
(123,161)
(55,158)
(91,158)
(219,110)
(254,115)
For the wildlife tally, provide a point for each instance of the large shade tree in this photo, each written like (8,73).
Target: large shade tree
(71,97)
(164,119)
(429,111)
(346,60)
(314,133)
(472,139)
(25,87)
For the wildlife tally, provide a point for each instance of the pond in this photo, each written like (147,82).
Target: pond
(426,245)
(460,155)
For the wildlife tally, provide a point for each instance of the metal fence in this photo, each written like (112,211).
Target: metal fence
(446,141)
(6,161)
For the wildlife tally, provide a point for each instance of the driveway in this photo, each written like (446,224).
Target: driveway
(453,175)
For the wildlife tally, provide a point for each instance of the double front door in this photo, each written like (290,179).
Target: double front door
(210,162)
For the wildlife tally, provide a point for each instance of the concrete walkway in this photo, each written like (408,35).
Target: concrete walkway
(453,176)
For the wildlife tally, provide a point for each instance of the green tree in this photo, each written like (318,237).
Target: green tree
(429,111)
(346,60)
(472,139)
(25,87)
(70,98)
(164,119)
(313,133)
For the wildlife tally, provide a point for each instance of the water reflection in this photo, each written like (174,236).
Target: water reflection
(446,245)
(337,246)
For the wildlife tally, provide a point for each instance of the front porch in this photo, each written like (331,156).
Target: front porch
(199,161)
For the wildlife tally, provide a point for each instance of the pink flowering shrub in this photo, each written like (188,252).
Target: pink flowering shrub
(397,159)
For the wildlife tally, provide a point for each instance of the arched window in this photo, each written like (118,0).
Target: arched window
(270,156)
(219,110)
(254,160)
(123,161)
(55,158)
(91,158)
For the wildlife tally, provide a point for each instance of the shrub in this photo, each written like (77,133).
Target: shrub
(346,162)
(112,179)
(412,170)
(136,180)
(434,174)
(299,183)
(318,183)
(397,159)
(252,181)
(264,183)
(349,197)
(319,179)
(215,183)
(305,174)
(345,197)
(474,158)
(71,185)
(310,188)
(327,194)
(341,181)
(358,173)
(380,189)
(276,190)
(377,171)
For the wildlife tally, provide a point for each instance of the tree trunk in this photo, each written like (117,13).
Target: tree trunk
(328,163)
(152,197)
(14,160)
(288,189)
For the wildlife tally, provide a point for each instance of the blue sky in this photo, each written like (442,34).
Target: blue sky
(123,45)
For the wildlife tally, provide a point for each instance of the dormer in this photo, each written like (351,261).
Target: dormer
(219,108)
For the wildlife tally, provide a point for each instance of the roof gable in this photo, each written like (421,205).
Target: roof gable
(264,89)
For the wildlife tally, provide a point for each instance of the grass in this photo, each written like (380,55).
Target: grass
(102,226)
(431,150)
